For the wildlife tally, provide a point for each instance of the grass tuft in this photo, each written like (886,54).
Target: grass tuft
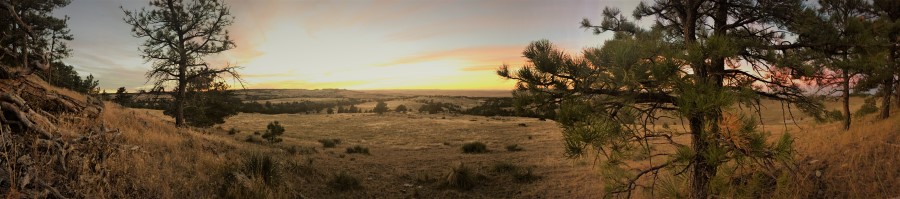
(460,177)
(474,147)
(513,147)
(330,143)
(343,181)
(358,149)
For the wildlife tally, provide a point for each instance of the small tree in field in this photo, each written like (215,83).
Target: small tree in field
(381,108)
(180,33)
(273,130)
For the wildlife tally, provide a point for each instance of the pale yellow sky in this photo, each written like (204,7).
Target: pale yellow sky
(367,44)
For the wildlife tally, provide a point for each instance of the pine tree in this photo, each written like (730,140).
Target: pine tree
(838,34)
(31,37)
(179,35)
(273,130)
(688,65)
(380,108)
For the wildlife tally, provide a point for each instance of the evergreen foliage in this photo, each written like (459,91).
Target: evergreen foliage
(380,108)
(608,99)
(273,131)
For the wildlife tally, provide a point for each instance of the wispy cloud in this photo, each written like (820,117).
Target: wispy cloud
(474,54)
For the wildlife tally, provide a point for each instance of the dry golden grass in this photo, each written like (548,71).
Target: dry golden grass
(863,162)
(411,155)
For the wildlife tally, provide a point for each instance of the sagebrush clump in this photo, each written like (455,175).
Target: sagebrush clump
(330,143)
(358,149)
(514,148)
(474,147)
(460,177)
(343,181)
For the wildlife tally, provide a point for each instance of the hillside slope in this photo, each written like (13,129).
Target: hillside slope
(137,153)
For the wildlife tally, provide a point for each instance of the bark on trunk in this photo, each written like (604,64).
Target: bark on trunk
(888,87)
(702,171)
(846,99)
(897,93)
(179,101)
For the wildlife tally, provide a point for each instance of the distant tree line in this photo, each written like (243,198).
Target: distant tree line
(432,107)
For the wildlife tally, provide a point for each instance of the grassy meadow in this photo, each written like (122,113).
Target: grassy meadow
(413,155)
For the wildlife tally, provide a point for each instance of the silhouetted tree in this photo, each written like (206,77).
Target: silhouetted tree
(179,35)
(687,65)
(380,108)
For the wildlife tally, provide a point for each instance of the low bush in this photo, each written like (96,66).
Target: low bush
(525,175)
(513,147)
(868,107)
(460,177)
(343,181)
(358,149)
(294,150)
(474,147)
(505,167)
(233,131)
(330,143)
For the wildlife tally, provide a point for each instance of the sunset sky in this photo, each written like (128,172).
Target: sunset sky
(380,44)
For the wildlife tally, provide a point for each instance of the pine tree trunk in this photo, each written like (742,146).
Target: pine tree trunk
(702,171)
(180,98)
(888,87)
(897,93)
(846,99)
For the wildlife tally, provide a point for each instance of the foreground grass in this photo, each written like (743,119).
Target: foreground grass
(412,155)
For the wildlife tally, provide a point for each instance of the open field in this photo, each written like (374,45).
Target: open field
(408,152)
(412,155)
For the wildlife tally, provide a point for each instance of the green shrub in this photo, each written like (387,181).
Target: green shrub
(513,147)
(358,149)
(344,182)
(460,177)
(474,147)
(330,143)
